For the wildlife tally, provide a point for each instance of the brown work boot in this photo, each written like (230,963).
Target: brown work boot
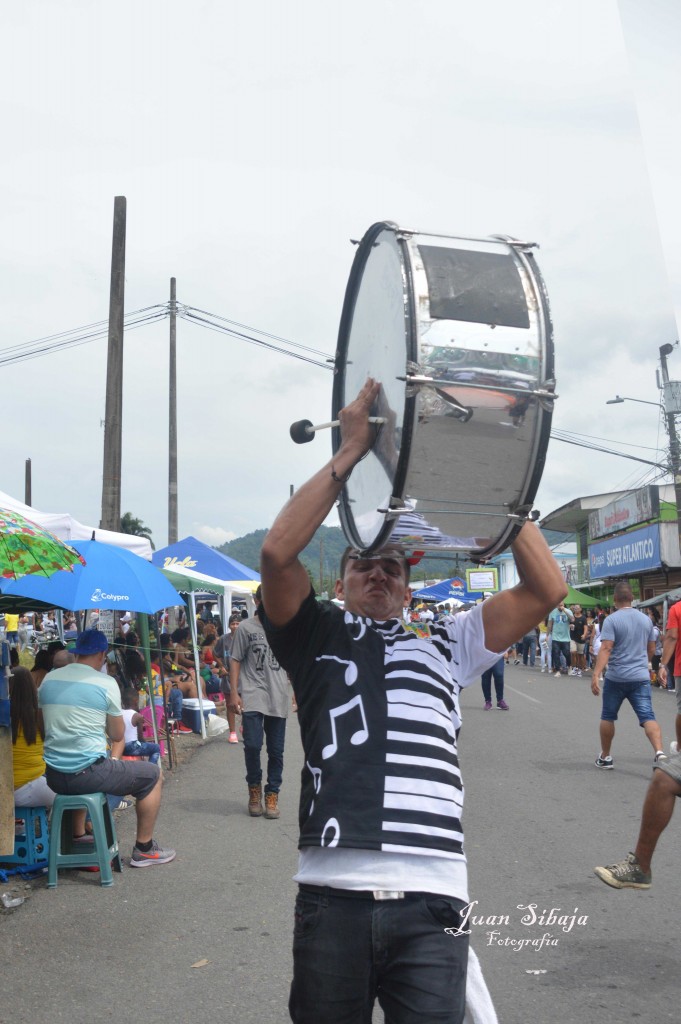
(271,807)
(255,801)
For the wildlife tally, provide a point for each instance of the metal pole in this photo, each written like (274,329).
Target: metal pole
(674,450)
(143,629)
(27,482)
(172,420)
(113,416)
(197,668)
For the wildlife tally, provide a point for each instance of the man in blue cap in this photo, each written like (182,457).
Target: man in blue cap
(81,707)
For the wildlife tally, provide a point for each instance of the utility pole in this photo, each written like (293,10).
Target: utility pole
(27,482)
(672,406)
(172,420)
(113,415)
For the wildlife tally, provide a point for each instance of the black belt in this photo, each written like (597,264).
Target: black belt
(370,894)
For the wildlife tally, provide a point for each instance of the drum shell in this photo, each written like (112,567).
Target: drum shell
(459,333)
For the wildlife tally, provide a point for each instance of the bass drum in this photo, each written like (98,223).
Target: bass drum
(458,332)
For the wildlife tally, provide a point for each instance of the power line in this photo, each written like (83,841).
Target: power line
(264,334)
(251,340)
(609,451)
(77,336)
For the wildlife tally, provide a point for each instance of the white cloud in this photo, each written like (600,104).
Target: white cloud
(213,535)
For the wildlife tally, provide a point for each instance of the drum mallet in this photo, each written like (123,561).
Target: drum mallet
(303,431)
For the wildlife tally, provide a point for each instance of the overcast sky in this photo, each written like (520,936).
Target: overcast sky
(252,142)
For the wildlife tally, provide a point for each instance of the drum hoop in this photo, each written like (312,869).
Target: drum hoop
(351,293)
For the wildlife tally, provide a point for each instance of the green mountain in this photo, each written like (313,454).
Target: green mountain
(323,555)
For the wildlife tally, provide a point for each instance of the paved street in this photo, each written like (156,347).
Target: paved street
(538,817)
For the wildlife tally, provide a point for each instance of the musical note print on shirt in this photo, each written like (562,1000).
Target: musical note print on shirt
(350,671)
(316,782)
(332,823)
(360,735)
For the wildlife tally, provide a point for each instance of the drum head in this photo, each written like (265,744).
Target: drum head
(458,333)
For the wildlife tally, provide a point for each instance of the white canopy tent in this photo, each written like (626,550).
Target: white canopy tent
(187,581)
(66,528)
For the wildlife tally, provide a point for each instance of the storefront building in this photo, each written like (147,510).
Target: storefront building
(626,535)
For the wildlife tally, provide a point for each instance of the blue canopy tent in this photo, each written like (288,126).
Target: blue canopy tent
(447,590)
(193,554)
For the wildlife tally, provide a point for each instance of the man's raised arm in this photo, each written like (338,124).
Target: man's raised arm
(285,583)
(508,615)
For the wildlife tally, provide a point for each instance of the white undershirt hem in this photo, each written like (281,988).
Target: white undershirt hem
(376,869)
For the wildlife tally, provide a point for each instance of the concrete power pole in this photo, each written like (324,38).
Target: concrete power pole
(672,406)
(113,422)
(172,420)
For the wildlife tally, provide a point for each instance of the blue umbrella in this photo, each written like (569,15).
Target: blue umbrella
(111,578)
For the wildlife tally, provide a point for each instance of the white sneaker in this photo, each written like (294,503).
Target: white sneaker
(673,747)
(544,670)
(556,675)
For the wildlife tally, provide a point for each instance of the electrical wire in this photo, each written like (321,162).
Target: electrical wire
(77,336)
(264,334)
(607,451)
(203,322)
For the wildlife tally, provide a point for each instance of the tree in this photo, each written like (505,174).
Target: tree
(135,527)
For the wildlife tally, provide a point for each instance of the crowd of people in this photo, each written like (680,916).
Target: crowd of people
(90,736)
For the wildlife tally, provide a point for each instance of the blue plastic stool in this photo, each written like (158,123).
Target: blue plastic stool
(31,838)
(64,853)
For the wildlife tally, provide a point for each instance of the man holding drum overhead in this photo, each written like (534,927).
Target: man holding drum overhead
(382,872)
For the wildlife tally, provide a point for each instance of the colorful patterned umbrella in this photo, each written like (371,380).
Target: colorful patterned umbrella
(26,548)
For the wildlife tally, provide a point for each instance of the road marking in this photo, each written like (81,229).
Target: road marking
(521,694)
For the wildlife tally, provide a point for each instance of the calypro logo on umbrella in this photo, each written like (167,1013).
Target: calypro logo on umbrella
(99,595)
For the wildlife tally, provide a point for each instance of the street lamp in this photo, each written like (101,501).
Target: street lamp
(619,398)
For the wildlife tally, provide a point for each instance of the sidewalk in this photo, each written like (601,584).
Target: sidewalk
(84,954)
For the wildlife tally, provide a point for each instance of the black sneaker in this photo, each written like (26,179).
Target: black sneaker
(604,762)
(625,875)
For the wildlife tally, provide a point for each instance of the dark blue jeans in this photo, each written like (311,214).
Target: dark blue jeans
(559,647)
(138,748)
(255,725)
(496,672)
(529,649)
(347,952)
(175,702)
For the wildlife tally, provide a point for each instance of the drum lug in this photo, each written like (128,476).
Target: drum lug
(394,511)
(516,243)
(525,513)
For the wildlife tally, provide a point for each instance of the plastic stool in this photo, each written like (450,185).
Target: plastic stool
(101,853)
(31,838)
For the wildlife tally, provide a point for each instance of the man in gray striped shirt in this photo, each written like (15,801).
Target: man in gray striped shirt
(382,873)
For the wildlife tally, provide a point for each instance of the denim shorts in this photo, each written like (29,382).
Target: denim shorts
(137,778)
(636,691)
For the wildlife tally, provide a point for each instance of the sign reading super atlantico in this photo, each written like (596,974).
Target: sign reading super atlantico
(630,552)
